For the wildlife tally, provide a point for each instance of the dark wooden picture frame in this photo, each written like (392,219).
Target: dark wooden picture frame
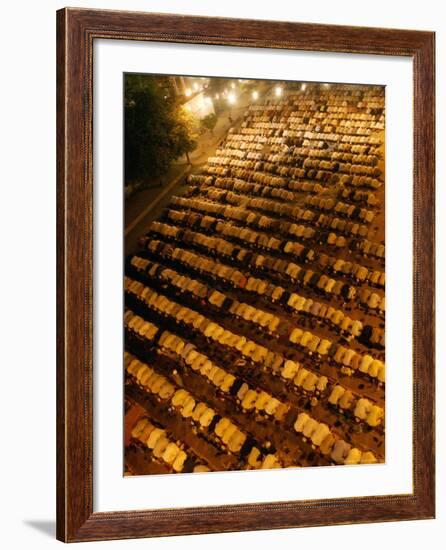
(76,31)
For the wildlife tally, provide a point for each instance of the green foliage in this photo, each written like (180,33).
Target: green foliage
(157,128)
(209,121)
(217,86)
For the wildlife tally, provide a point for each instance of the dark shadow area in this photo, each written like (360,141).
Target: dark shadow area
(45,526)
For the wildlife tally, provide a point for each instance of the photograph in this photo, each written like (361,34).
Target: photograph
(245,245)
(253,274)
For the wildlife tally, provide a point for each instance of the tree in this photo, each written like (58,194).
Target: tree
(157,129)
(189,123)
(216,89)
(209,122)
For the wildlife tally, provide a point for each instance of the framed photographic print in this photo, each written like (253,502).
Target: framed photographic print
(245,275)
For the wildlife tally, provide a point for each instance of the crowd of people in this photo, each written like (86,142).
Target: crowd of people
(255,307)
